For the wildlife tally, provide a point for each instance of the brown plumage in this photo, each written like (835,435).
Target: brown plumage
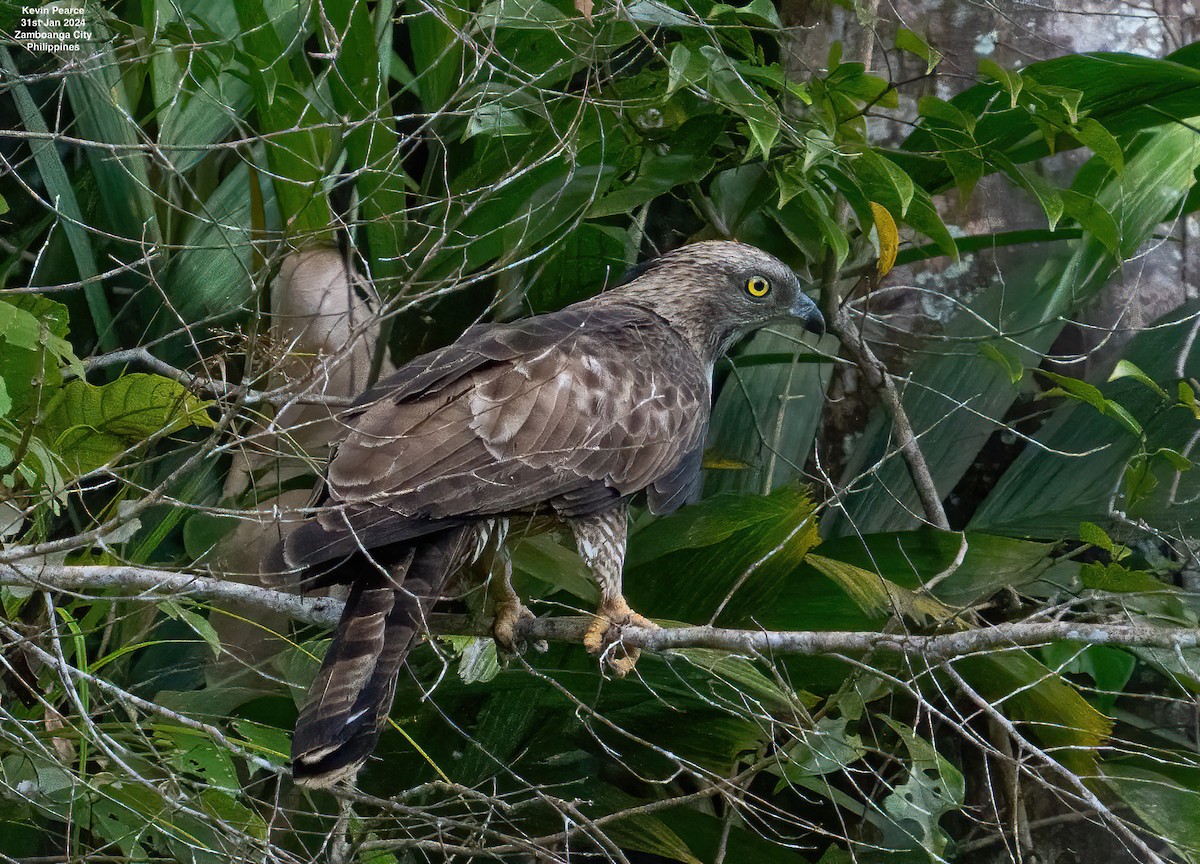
(569,414)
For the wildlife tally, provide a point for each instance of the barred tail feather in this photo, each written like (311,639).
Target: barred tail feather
(352,694)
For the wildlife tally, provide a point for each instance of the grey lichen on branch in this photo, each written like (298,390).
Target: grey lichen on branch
(151,585)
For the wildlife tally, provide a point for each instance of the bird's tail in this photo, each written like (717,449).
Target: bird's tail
(351,696)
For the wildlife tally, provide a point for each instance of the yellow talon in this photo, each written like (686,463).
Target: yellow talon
(603,636)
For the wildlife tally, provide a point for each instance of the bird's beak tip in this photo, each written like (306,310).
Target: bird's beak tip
(806,310)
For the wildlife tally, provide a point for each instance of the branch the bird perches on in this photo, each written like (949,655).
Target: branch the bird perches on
(153,585)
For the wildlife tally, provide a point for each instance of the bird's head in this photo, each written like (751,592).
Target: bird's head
(717,291)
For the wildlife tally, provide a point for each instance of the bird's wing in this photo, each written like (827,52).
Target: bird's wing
(574,409)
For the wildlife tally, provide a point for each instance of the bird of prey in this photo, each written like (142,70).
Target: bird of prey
(567,414)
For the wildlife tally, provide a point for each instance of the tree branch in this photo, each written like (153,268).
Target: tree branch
(151,585)
(881,382)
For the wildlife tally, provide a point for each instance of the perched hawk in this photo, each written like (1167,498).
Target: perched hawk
(567,414)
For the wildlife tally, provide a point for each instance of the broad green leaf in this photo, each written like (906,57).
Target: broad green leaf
(1124,93)
(296,142)
(907,40)
(18,328)
(911,559)
(269,742)
(1125,369)
(687,159)
(520,15)
(358,87)
(1010,81)
(33,346)
(1010,364)
(200,99)
(1101,142)
(765,417)
(876,595)
(209,279)
(194,753)
(883,181)
(736,552)
(103,114)
(932,789)
(1165,794)
(1041,703)
(1094,218)
(643,832)
(1050,198)
(58,185)
(686,68)
(197,622)
(1159,169)
(1089,532)
(89,425)
(1049,490)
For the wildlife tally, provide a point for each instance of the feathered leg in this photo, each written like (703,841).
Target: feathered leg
(601,542)
(351,696)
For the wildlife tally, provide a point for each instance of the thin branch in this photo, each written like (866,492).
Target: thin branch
(152,585)
(881,382)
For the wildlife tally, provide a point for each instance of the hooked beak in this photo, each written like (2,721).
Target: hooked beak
(806,310)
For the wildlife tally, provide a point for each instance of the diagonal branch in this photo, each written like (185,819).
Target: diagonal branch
(880,381)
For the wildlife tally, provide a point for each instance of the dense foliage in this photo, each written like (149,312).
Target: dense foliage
(487,159)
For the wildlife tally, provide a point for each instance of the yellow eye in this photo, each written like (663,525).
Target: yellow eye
(757,286)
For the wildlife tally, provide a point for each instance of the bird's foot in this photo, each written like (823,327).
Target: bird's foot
(509,613)
(603,635)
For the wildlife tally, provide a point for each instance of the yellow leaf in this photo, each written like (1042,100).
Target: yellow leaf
(889,237)
(584,7)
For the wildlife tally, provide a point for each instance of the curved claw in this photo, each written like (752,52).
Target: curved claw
(603,636)
(504,628)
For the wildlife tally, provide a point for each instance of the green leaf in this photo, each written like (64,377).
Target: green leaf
(877,595)
(1070,476)
(520,15)
(1126,369)
(685,69)
(18,328)
(1089,532)
(89,425)
(688,158)
(1188,398)
(196,754)
(1011,365)
(740,551)
(1036,698)
(1165,796)
(1090,394)
(34,333)
(1048,197)
(643,832)
(932,788)
(907,40)
(269,742)
(1094,217)
(197,622)
(1010,81)
(58,185)
(1101,142)
(883,181)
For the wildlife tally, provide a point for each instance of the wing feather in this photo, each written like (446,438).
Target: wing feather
(573,409)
